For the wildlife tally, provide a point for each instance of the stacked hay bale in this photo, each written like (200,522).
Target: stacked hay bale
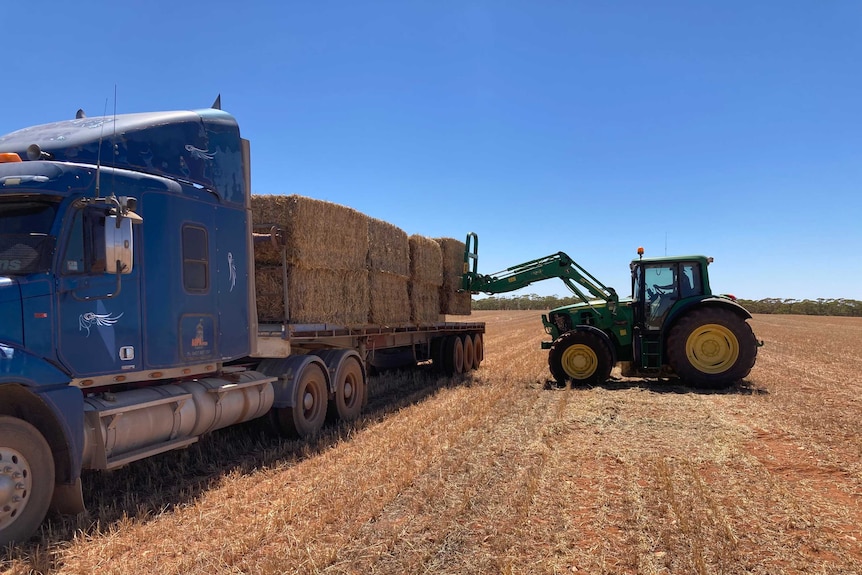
(326,251)
(426,279)
(388,273)
(348,269)
(451,301)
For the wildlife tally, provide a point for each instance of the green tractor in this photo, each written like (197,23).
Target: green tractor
(672,326)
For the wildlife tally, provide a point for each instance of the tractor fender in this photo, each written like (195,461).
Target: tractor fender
(286,369)
(603,336)
(709,301)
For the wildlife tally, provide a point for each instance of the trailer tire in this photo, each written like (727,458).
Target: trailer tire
(349,389)
(478,350)
(469,353)
(711,348)
(308,414)
(453,355)
(580,357)
(26,479)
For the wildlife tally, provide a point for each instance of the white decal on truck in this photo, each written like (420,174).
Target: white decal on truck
(200,154)
(89,319)
(232,269)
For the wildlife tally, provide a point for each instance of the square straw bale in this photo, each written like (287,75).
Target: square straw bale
(426,261)
(319,234)
(314,295)
(388,248)
(451,301)
(389,300)
(424,302)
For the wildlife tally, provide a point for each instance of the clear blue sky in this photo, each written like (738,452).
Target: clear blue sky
(731,129)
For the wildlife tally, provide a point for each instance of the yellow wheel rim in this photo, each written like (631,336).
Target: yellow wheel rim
(712,348)
(579,361)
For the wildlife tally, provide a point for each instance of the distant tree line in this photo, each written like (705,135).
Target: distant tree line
(819,306)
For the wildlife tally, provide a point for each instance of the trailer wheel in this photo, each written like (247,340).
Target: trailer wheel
(711,348)
(349,389)
(453,355)
(580,357)
(26,479)
(478,350)
(308,413)
(469,353)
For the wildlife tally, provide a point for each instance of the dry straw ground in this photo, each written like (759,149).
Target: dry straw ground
(496,474)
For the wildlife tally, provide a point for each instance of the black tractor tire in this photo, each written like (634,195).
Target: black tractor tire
(26,479)
(581,357)
(711,348)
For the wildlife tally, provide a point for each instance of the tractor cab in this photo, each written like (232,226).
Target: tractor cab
(662,288)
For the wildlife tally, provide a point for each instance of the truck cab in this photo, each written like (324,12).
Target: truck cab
(90,304)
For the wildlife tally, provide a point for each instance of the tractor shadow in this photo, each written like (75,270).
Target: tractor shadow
(663,386)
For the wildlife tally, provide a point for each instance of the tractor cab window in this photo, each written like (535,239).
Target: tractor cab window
(690,283)
(662,291)
(25,244)
(85,246)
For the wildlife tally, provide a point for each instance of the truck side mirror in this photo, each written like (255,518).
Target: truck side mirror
(118,244)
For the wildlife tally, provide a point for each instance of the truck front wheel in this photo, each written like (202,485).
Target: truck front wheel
(580,357)
(711,348)
(26,479)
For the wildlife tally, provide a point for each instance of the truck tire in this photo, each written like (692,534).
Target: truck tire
(580,357)
(349,389)
(26,479)
(469,353)
(478,350)
(711,348)
(453,355)
(306,417)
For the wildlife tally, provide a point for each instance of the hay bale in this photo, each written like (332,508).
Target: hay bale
(451,301)
(318,234)
(424,302)
(388,248)
(389,299)
(426,261)
(314,295)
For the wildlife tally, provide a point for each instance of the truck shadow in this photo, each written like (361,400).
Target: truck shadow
(146,489)
(742,387)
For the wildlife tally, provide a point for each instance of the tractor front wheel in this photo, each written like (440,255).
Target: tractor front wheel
(711,348)
(580,357)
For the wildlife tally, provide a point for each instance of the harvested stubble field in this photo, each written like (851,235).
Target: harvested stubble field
(497,474)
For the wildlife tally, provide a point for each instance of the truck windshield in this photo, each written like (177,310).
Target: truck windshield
(25,243)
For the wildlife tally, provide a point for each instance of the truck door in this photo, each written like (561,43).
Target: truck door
(98,318)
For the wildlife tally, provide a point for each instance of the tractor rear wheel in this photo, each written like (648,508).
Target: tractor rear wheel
(580,357)
(711,348)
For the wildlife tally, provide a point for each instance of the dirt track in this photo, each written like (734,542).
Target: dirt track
(496,474)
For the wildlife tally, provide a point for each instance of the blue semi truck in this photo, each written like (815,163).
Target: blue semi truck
(128,315)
